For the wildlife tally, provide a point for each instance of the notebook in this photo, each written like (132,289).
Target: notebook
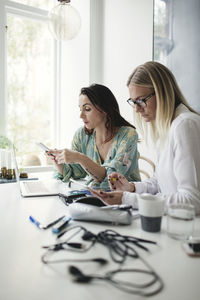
(35,188)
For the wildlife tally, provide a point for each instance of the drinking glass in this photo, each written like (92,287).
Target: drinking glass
(180,221)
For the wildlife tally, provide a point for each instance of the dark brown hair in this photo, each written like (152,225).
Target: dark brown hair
(104,100)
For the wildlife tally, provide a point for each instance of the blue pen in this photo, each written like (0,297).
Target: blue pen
(34,221)
(40,226)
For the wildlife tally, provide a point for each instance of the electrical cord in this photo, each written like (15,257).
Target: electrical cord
(99,260)
(120,247)
(70,246)
(129,287)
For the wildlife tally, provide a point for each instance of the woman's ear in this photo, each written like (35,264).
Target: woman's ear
(108,122)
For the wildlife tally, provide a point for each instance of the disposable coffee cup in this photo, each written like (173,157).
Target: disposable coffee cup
(151,210)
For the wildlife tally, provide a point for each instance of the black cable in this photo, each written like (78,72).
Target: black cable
(70,246)
(99,260)
(120,247)
(129,287)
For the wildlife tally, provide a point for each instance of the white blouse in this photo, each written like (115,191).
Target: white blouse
(177,174)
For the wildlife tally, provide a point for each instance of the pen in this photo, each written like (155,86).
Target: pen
(35,222)
(63,223)
(40,226)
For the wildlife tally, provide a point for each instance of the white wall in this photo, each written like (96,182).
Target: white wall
(128,36)
(125,41)
(121,38)
(74,74)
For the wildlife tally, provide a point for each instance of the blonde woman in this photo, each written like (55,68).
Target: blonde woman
(161,111)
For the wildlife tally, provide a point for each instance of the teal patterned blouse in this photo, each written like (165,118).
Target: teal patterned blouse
(122,157)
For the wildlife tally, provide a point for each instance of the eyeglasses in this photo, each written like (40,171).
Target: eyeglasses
(140,102)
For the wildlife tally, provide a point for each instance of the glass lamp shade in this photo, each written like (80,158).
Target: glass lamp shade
(64,21)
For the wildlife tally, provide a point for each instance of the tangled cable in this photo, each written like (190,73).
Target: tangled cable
(120,247)
(117,244)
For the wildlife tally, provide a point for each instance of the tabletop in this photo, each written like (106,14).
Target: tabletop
(24,276)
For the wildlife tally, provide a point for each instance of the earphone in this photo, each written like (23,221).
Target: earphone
(143,289)
(120,247)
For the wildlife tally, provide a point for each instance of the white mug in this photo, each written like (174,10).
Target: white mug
(151,210)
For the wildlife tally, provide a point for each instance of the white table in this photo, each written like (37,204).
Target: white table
(23,276)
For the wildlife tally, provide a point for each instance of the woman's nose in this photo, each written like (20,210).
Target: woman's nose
(81,115)
(138,108)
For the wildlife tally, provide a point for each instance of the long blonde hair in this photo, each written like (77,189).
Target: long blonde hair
(160,79)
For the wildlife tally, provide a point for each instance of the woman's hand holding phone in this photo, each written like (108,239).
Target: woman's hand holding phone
(45,148)
(51,154)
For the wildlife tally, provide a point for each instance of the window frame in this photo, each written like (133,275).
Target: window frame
(32,13)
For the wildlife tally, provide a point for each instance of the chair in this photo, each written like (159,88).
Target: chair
(146,167)
(31,160)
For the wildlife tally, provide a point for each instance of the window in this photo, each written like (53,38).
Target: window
(177,43)
(29,84)
(40,78)
(163,41)
(31,55)
(43,4)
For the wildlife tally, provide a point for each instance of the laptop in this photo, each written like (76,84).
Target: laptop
(35,188)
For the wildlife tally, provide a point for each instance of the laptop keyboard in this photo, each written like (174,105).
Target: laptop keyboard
(35,187)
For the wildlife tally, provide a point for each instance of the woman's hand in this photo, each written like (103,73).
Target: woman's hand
(51,155)
(65,156)
(110,198)
(118,182)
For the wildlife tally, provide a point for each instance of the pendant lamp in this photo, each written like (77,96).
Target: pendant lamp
(64,21)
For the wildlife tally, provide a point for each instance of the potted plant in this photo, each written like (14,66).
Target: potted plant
(5,143)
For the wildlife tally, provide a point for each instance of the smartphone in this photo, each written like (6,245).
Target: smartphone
(73,195)
(192,247)
(84,186)
(45,148)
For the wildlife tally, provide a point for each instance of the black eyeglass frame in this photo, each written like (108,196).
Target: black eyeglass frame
(140,102)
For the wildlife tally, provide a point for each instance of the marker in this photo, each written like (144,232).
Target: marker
(61,225)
